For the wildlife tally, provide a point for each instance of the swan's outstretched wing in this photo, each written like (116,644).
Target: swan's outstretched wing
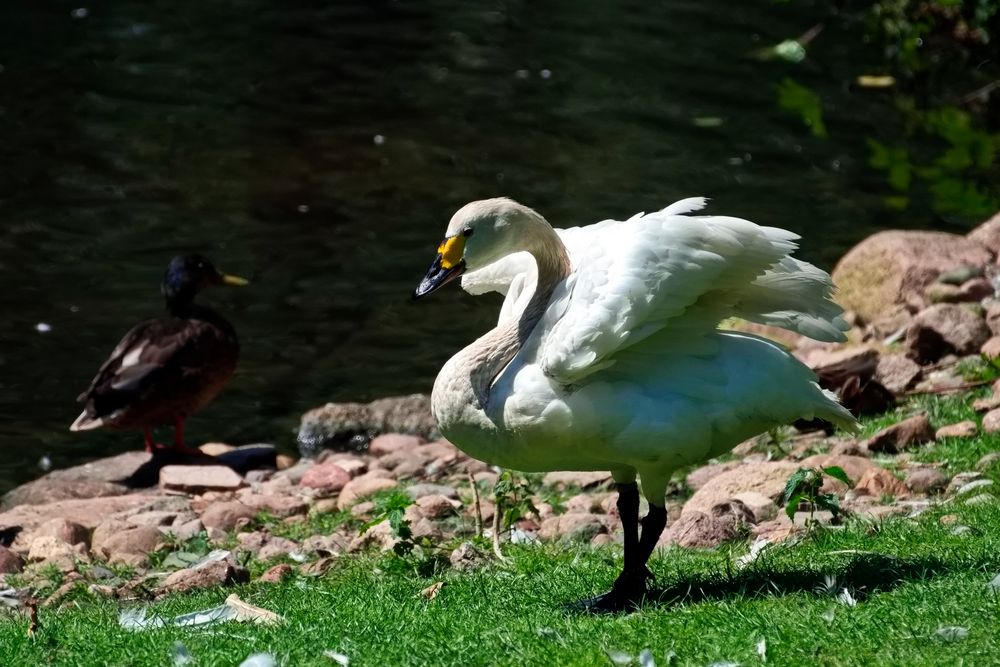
(678,272)
(498,276)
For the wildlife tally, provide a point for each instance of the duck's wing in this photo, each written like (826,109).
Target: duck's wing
(137,363)
(669,272)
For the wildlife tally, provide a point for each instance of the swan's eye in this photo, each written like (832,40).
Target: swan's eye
(467,232)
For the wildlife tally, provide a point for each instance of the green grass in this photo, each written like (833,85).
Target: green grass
(911,578)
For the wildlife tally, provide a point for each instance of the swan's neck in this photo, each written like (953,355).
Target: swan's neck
(462,391)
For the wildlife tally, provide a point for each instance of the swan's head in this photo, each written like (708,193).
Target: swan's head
(479,234)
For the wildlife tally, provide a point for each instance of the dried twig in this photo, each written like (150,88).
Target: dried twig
(496,532)
(33,626)
(479,507)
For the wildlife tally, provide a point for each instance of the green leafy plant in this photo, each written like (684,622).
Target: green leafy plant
(803,486)
(391,507)
(513,494)
(798,99)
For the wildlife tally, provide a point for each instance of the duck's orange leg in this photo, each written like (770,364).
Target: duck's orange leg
(179,445)
(150,444)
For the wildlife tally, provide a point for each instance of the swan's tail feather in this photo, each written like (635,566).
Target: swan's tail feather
(794,295)
(835,413)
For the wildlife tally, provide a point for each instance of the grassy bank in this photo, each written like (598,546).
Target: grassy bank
(921,587)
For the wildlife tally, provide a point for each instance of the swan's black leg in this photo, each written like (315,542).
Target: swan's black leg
(630,586)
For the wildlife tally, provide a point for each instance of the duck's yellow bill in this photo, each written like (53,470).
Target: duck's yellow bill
(235,281)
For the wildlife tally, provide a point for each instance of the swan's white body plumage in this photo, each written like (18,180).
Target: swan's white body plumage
(625,369)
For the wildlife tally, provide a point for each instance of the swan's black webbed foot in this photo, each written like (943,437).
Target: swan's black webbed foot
(627,594)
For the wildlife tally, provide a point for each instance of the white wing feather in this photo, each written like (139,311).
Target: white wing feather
(665,270)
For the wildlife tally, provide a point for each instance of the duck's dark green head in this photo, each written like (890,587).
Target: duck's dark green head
(189,274)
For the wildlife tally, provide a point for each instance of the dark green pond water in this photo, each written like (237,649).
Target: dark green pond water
(321,147)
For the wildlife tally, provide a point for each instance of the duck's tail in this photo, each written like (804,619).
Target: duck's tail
(86,422)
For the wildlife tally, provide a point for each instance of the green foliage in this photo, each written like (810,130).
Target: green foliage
(961,178)
(979,369)
(803,486)
(799,100)
(512,495)
(391,506)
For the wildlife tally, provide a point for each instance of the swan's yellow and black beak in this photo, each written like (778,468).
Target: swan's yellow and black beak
(447,266)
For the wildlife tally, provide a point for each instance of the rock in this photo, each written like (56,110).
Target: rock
(945,328)
(993,318)
(581,527)
(362,510)
(325,477)
(583,480)
(760,506)
(276,574)
(960,480)
(47,547)
(991,348)
(156,518)
(981,499)
(362,487)
(351,464)
(96,479)
(986,404)
(253,541)
(426,529)
(417,491)
(277,547)
(896,372)
(216,448)
(768,479)
(279,506)
(854,466)
(698,477)
(893,268)
(199,479)
(436,506)
(325,545)
(87,512)
(775,530)
(991,421)
(224,516)
(284,461)
(926,480)
(69,532)
(349,426)
(379,536)
(10,561)
(965,429)
(880,482)
(988,461)
(184,531)
(467,558)
(943,293)
(586,503)
(987,234)
(212,573)
(915,430)
(131,545)
(389,443)
(725,522)
(976,289)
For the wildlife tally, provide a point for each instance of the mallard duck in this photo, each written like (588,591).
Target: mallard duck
(166,369)
(608,354)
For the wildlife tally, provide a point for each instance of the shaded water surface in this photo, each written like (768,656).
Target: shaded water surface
(320,148)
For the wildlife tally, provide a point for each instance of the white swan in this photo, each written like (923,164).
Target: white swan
(607,354)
